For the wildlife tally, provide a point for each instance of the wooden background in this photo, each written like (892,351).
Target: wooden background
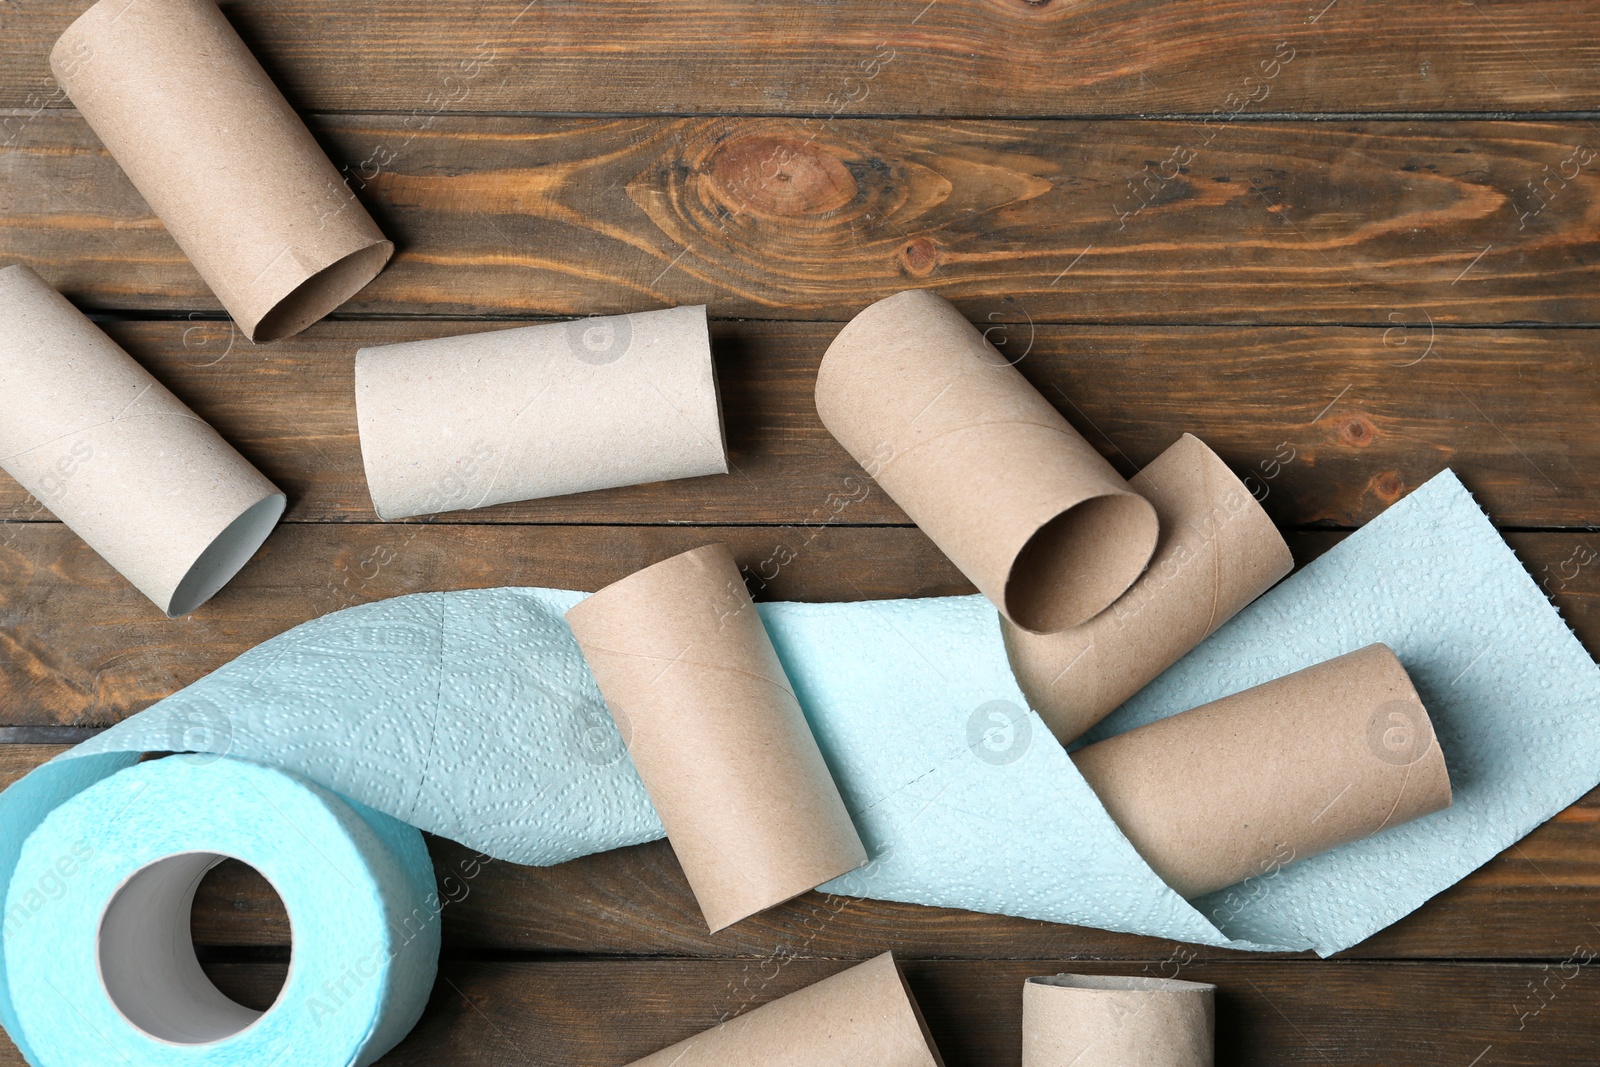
(1363,232)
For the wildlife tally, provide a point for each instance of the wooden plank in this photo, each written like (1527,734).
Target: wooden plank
(1282,1014)
(78,646)
(894,57)
(601,1013)
(1087,221)
(17,760)
(1331,422)
(1534,901)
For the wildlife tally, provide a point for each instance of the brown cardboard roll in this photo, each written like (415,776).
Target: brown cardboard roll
(713,726)
(222,160)
(538,411)
(1089,1020)
(103,445)
(1218,551)
(990,471)
(862,1017)
(1244,785)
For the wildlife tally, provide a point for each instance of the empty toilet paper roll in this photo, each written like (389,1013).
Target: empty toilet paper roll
(1218,551)
(719,740)
(465,422)
(990,471)
(222,160)
(865,1015)
(1242,786)
(99,965)
(136,474)
(1091,1020)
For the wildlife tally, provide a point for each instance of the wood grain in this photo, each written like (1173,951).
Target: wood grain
(1330,423)
(1042,221)
(603,1013)
(1378,297)
(1278,1014)
(957,57)
(79,646)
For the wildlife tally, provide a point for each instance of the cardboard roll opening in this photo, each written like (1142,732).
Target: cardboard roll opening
(225,556)
(1081,561)
(146,958)
(314,298)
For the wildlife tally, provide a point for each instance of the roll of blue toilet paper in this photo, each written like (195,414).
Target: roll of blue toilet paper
(99,966)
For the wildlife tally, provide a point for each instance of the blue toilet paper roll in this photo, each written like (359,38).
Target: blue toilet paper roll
(99,965)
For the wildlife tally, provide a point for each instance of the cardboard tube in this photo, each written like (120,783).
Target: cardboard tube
(465,422)
(862,1017)
(989,470)
(1088,1020)
(1218,551)
(716,733)
(222,160)
(1242,786)
(103,445)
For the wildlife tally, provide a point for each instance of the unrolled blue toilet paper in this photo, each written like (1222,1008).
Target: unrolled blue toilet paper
(357,885)
(471,715)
